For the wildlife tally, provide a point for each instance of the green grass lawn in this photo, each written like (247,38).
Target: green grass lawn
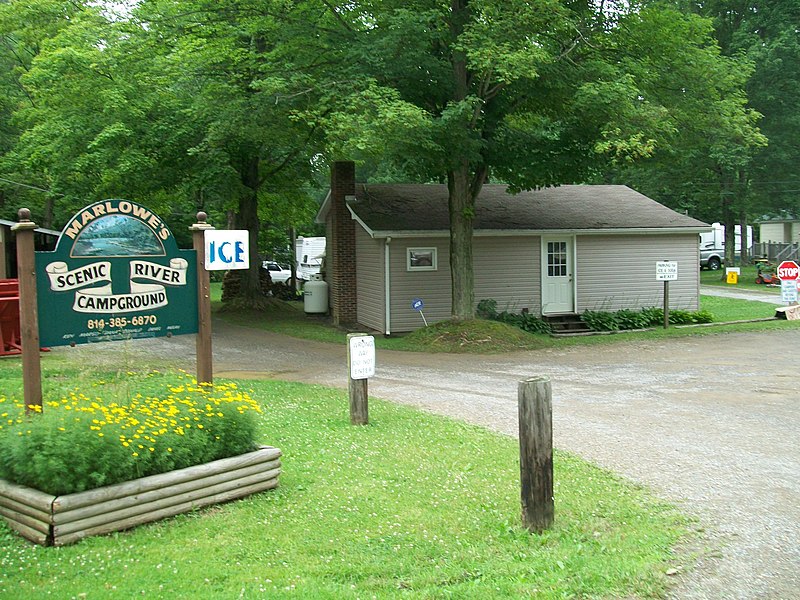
(729,309)
(747,279)
(411,506)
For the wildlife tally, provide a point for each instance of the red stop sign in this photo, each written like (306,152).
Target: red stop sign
(788,271)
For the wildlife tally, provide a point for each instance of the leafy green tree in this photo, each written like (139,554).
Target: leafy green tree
(24,28)
(187,105)
(759,177)
(529,93)
(767,35)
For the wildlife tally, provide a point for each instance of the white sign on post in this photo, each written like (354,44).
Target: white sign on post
(667,270)
(227,249)
(788,291)
(362,357)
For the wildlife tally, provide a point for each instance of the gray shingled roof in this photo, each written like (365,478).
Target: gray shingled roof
(569,207)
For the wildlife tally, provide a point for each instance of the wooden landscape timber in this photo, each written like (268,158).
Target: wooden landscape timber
(59,520)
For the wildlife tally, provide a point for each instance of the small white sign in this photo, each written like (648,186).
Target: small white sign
(227,249)
(788,291)
(362,356)
(667,270)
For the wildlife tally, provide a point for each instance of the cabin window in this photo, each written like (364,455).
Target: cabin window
(421,259)
(556,259)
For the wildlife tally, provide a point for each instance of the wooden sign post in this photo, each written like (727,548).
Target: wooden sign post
(361,366)
(203,340)
(666,271)
(28,315)
(536,453)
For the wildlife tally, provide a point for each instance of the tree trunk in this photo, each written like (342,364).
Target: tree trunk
(745,254)
(729,221)
(48,213)
(247,218)
(462,211)
(461,193)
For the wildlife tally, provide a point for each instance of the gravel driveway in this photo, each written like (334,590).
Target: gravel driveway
(709,422)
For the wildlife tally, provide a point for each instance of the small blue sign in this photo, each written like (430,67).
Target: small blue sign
(417,304)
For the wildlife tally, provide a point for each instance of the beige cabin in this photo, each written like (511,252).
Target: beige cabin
(555,251)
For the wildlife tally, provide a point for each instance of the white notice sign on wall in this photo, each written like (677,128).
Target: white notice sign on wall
(667,270)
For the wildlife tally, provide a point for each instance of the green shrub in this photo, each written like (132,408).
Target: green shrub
(647,317)
(631,319)
(81,443)
(599,320)
(653,316)
(685,317)
(487,309)
(533,324)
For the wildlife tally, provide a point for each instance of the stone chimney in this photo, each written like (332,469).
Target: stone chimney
(341,253)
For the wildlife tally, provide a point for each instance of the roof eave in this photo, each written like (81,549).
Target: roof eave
(322,213)
(534,232)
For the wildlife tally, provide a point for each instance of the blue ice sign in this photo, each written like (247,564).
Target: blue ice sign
(227,249)
(417,304)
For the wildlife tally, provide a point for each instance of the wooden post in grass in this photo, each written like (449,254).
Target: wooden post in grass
(536,453)
(28,315)
(360,366)
(666,305)
(203,340)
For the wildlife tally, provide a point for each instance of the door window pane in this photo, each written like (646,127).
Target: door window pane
(556,259)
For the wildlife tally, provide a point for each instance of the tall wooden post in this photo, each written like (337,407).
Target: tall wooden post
(666,305)
(203,342)
(28,314)
(360,366)
(536,453)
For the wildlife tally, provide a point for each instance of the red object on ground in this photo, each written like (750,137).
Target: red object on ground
(9,317)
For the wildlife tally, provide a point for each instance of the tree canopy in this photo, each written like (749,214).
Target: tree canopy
(234,106)
(535,94)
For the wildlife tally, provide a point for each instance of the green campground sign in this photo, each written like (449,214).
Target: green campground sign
(116,273)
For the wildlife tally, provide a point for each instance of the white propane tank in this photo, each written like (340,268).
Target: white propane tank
(315,295)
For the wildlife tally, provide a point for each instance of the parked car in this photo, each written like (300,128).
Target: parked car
(712,258)
(278,273)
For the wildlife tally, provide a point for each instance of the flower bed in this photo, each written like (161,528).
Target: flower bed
(137,448)
(58,520)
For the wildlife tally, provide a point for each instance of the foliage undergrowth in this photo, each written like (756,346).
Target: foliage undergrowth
(476,336)
(114,430)
(487,309)
(599,320)
(411,506)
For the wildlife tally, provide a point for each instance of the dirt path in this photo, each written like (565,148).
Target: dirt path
(709,422)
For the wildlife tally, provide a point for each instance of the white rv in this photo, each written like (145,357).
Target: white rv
(712,245)
(309,253)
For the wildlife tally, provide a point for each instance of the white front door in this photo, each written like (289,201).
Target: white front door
(558,266)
